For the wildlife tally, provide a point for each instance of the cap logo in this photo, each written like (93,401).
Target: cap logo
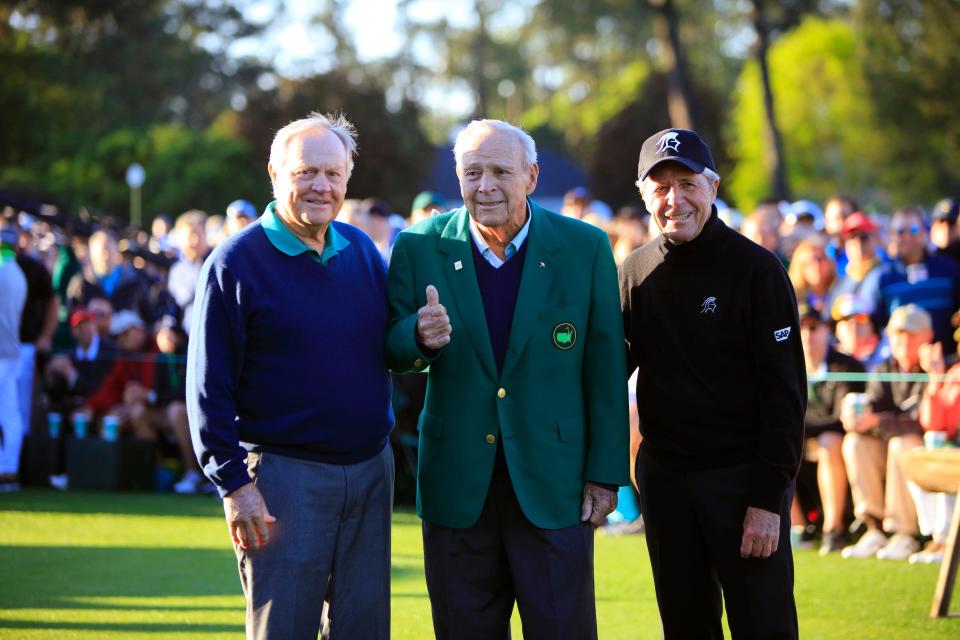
(669,140)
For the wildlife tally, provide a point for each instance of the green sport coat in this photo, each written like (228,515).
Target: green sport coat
(559,407)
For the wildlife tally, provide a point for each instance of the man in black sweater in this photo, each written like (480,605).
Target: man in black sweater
(711,322)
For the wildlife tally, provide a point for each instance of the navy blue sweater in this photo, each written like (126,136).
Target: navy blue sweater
(287,355)
(499,289)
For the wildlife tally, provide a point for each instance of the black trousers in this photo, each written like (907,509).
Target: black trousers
(474,575)
(694,524)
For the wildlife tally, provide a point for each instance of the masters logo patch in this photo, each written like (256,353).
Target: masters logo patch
(564,336)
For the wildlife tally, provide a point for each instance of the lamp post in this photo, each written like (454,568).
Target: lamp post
(135,177)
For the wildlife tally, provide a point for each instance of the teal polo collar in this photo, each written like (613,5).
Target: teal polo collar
(287,242)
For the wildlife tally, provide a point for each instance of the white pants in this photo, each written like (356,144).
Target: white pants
(934,511)
(11,423)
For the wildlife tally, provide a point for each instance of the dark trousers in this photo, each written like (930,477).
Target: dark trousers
(474,575)
(331,542)
(694,524)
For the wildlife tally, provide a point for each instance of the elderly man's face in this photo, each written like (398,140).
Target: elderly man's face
(311,184)
(679,200)
(495,179)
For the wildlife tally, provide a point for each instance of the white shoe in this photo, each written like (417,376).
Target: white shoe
(189,483)
(931,554)
(869,544)
(900,547)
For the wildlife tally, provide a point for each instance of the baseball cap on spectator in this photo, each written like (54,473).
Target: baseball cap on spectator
(241,209)
(947,210)
(858,222)
(675,145)
(123,321)
(425,199)
(848,305)
(804,209)
(910,318)
(80,316)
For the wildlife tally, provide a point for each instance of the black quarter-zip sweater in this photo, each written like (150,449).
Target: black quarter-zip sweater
(712,326)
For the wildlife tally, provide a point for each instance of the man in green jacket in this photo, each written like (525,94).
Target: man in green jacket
(524,433)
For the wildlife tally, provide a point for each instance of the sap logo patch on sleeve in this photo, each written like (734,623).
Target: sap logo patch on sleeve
(781,334)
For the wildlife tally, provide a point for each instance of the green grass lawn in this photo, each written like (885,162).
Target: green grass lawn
(86,565)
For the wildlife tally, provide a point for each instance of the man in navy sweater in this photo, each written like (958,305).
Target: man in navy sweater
(289,398)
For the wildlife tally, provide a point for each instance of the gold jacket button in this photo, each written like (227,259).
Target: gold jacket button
(490,437)
(418,362)
(502,393)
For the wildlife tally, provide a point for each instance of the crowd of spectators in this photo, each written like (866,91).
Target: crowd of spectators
(106,319)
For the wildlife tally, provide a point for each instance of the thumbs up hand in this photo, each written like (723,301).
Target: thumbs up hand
(433,324)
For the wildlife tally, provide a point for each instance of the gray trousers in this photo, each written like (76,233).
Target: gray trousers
(331,542)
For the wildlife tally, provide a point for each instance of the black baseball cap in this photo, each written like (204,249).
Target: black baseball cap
(675,145)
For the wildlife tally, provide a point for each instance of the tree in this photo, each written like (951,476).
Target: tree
(76,73)
(826,119)
(911,67)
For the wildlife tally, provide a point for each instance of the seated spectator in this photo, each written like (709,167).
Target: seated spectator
(855,333)
(145,389)
(105,275)
(70,379)
(919,277)
(939,413)
(888,425)
(812,273)
(824,431)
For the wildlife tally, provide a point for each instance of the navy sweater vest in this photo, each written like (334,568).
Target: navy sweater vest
(498,290)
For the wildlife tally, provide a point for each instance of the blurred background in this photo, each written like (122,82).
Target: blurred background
(799,98)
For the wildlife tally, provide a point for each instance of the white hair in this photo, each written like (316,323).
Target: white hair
(337,124)
(529,146)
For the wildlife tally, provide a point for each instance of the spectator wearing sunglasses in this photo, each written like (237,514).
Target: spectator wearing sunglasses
(916,276)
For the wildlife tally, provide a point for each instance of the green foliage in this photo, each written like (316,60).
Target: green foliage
(911,63)
(825,119)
